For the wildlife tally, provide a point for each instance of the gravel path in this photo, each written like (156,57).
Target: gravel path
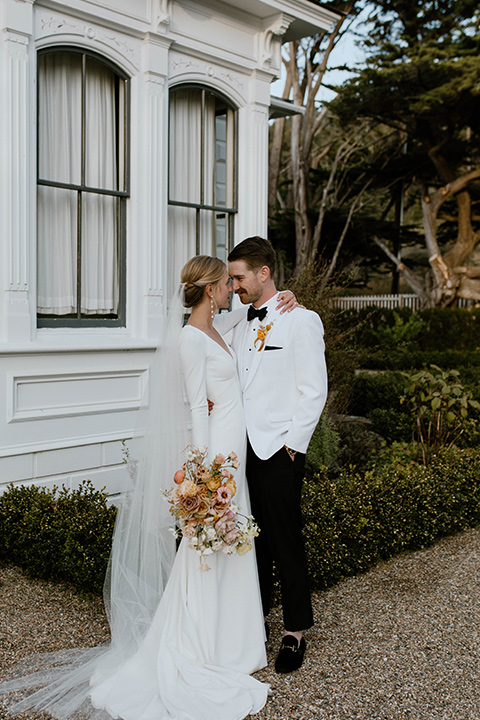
(400,642)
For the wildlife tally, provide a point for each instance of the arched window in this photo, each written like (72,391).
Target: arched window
(202,175)
(83,184)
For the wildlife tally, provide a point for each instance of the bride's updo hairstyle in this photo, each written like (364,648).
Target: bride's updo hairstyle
(199,272)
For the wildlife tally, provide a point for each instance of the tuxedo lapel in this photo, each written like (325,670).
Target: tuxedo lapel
(272,319)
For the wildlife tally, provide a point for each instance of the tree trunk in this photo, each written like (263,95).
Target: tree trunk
(449,277)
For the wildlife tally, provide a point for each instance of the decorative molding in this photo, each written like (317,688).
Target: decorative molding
(121,45)
(163,15)
(71,30)
(55,25)
(157,174)
(182,65)
(271,39)
(229,79)
(17,203)
(260,168)
(232,79)
(39,397)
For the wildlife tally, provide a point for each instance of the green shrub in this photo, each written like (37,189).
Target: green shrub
(324,447)
(392,424)
(358,442)
(377,396)
(376,390)
(405,329)
(356,520)
(432,330)
(65,535)
(413,358)
(440,404)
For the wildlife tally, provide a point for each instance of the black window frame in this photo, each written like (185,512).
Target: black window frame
(79,320)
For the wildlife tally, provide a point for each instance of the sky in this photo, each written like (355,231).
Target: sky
(345,52)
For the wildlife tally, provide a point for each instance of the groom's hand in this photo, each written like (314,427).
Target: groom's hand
(291,453)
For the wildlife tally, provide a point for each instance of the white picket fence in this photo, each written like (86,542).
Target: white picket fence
(386,301)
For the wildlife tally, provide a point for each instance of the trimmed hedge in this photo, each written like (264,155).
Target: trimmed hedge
(351,522)
(433,330)
(65,535)
(413,358)
(354,521)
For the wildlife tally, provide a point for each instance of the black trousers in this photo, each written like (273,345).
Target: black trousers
(275,487)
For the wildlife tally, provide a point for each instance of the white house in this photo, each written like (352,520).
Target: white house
(133,134)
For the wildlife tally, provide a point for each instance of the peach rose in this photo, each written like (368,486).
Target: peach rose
(188,488)
(203,507)
(219,459)
(213,483)
(190,529)
(188,505)
(232,486)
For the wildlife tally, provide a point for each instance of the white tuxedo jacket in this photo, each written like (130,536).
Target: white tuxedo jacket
(285,385)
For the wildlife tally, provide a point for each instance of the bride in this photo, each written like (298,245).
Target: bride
(184,641)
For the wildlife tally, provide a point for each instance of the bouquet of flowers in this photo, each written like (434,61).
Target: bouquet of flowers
(201,500)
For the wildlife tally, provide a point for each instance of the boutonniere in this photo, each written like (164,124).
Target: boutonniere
(262,333)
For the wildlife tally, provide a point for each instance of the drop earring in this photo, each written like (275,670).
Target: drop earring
(212,308)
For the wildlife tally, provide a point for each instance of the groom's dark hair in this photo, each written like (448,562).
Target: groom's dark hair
(256,252)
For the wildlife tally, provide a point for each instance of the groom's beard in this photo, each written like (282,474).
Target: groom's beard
(248,296)
(243,295)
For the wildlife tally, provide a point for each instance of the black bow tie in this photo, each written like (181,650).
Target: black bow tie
(254,313)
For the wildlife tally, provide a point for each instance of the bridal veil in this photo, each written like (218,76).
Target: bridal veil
(142,553)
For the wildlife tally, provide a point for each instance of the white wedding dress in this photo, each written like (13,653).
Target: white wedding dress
(207,635)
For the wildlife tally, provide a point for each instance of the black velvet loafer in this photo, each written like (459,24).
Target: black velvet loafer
(290,656)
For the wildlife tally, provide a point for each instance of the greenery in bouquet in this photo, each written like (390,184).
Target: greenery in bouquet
(202,502)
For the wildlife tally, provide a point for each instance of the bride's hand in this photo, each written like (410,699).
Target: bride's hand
(288,301)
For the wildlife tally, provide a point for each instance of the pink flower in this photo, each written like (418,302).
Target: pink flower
(235,461)
(226,523)
(219,459)
(231,536)
(179,476)
(227,474)
(190,528)
(224,495)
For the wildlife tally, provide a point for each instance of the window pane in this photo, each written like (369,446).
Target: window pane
(57,251)
(185,146)
(201,171)
(60,117)
(100,252)
(102,101)
(182,223)
(221,240)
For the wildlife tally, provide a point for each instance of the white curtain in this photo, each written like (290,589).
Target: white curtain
(185,178)
(100,272)
(60,159)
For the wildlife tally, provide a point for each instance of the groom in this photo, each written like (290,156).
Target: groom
(281,365)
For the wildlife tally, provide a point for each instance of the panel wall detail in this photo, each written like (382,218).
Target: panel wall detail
(70,395)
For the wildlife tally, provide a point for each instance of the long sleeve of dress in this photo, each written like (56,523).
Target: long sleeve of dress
(193,361)
(224,322)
